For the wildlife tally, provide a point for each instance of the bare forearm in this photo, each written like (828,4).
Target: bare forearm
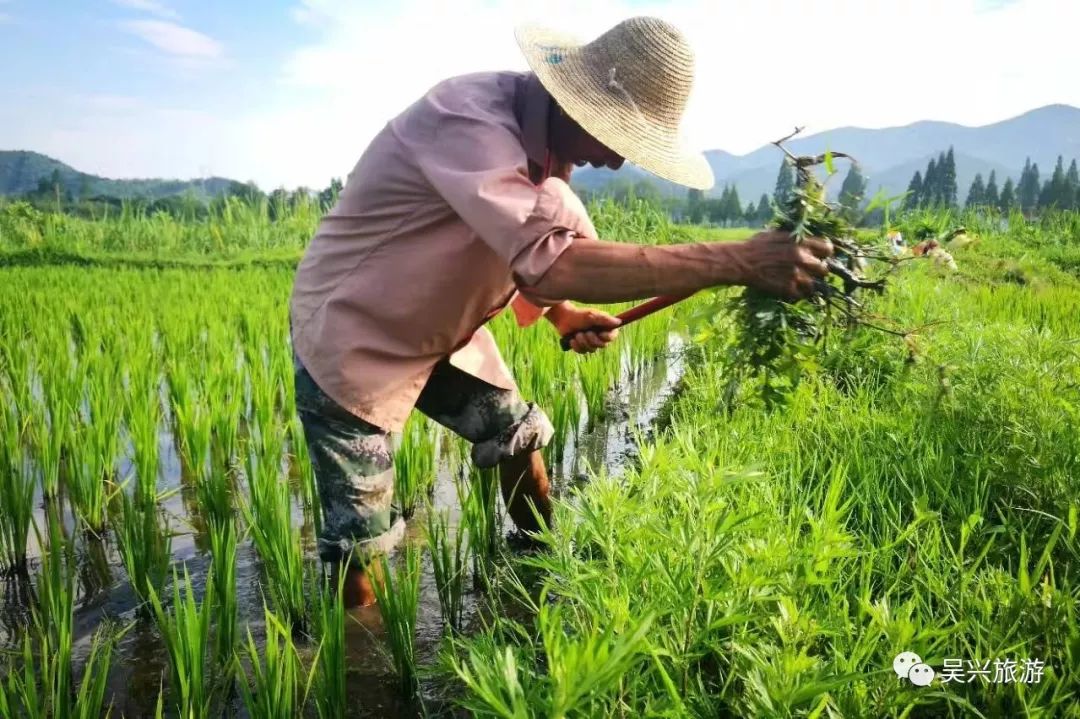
(596,271)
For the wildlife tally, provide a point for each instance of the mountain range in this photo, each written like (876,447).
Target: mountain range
(21,171)
(888,157)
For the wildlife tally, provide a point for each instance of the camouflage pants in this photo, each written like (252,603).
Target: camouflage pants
(353,459)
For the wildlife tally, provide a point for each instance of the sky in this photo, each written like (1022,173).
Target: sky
(290,92)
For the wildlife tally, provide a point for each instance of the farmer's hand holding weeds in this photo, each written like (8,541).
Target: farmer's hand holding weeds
(773,262)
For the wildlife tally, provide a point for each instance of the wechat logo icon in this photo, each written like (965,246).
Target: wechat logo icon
(908,665)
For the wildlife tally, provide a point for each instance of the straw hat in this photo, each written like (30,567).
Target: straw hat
(627,88)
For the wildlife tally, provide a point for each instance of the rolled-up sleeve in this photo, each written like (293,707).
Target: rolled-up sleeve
(480,169)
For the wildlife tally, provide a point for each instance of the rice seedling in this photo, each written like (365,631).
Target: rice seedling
(42,684)
(479,500)
(223,568)
(329,663)
(186,634)
(48,436)
(398,597)
(144,419)
(268,516)
(93,450)
(449,560)
(145,547)
(414,464)
(16,492)
(302,461)
(193,421)
(278,688)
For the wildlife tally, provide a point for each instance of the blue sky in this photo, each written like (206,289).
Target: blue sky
(290,91)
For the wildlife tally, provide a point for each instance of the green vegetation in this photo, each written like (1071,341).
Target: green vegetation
(743,561)
(398,596)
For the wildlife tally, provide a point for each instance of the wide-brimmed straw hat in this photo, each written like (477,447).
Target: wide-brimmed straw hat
(627,88)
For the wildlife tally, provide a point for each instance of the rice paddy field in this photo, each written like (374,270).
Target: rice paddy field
(711,555)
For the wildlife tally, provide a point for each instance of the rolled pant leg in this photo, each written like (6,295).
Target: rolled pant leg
(354,474)
(498,422)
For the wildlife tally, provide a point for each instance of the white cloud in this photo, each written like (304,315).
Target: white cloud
(175,40)
(762,68)
(150,6)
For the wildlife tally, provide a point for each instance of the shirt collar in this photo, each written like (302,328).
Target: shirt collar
(531,105)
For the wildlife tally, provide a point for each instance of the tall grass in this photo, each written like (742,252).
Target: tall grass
(398,597)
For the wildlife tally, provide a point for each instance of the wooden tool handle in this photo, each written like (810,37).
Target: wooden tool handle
(631,315)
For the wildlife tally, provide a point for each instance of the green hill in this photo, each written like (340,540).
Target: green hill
(22,171)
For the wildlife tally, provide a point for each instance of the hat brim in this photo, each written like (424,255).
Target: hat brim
(608,116)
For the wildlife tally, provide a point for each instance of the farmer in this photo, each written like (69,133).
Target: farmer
(461,207)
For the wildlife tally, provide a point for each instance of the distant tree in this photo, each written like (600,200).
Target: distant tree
(750,215)
(785,183)
(695,206)
(990,197)
(1072,184)
(930,192)
(1008,196)
(764,208)
(1057,193)
(1027,191)
(949,189)
(852,191)
(734,209)
(915,191)
(84,188)
(977,193)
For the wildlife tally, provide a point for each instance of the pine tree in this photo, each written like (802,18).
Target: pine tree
(915,192)
(977,193)
(949,189)
(734,206)
(695,206)
(852,191)
(1072,188)
(1058,195)
(930,185)
(990,197)
(750,216)
(1027,192)
(785,183)
(764,208)
(1008,196)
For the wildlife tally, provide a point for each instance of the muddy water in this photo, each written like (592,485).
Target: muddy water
(140,662)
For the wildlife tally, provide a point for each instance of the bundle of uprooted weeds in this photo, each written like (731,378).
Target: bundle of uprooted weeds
(777,341)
